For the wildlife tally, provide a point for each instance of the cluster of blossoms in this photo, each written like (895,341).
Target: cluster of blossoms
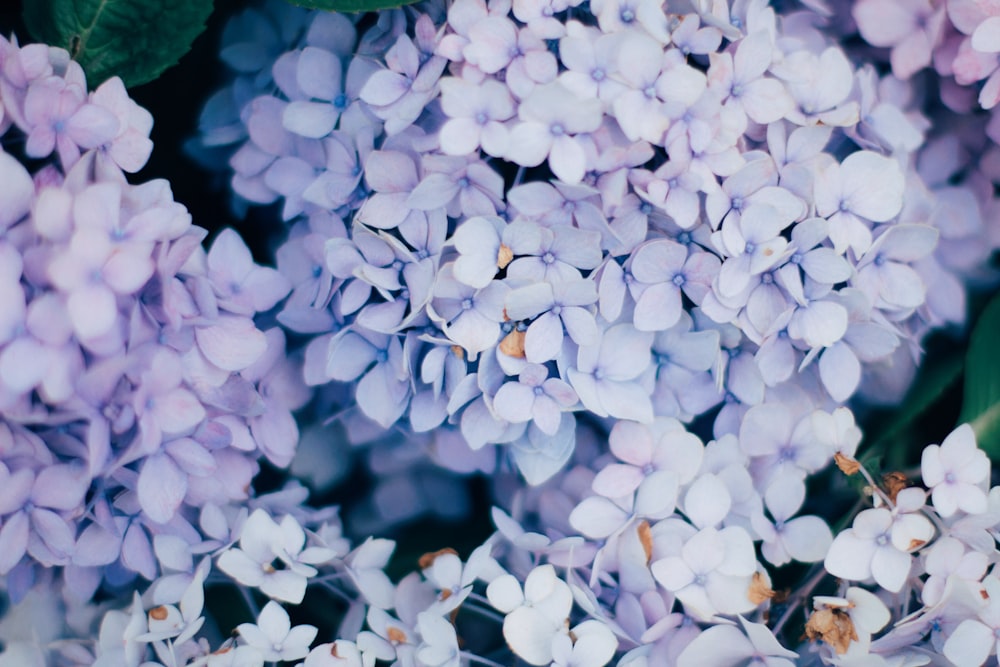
(959,39)
(136,391)
(537,213)
(639,259)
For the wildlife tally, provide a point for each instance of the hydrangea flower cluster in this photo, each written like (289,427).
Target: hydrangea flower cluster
(136,390)
(532,214)
(629,259)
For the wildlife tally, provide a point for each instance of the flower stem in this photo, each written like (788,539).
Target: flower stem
(800,596)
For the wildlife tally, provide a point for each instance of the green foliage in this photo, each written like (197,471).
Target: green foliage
(898,435)
(981,402)
(133,39)
(351,5)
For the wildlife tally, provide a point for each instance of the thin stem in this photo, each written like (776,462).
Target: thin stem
(485,613)
(519,176)
(479,604)
(333,576)
(800,597)
(328,585)
(876,489)
(249,601)
(472,657)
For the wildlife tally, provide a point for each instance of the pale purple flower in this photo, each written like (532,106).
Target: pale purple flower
(883,271)
(62,120)
(461,185)
(399,93)
(538,15)
(781,443)
(673,189)
(955,471)
(606,374)
(469,317)
(477,241)
(750,245)
(639,110)
(497,44)
(820,85)
(864,187)
(711,573)
(946,558)
(534,397)
(554,308)
(726,646)
(553,254)
(337,184)
(691,37)
(241,286)
(684,386)
(378,364)
(878,546)
(739,77)
(591,62)
(392,175)
(439,641)
(975,639)
(805,538)
(662,270)
(129,149)
(548,120)
(557,203)
(912,28)
(476,116)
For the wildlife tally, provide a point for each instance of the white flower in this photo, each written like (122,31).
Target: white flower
(231,656)
(535,615)
(340,653)
(264,542)
(725,645)
(589,644)
(274,636)
(167,621)
(974,640)
(712,573)
(948,561)
(955,472)
(440,643)
(879,545)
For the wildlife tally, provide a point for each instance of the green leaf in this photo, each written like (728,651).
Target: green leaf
(981,402)
(939,372)
(351,5)
(133,39)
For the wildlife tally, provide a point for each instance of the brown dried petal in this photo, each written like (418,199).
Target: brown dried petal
(646,539)
(428,558)
(504,256)
(760,589)
(894,482)
(513,344)
(834,627)
(847,465)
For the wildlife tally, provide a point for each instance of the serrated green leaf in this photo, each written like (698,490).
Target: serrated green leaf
(133,39)
(351,6)
(981,402)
